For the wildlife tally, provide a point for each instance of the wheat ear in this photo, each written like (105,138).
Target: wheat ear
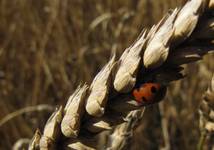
(157,55)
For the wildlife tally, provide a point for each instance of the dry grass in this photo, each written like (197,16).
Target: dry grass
(48,47)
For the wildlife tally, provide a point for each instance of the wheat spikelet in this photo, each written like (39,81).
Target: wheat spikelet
(128,65)
(99,89)
(34,143)
(155,56)
(122,133)
(73,112)
(187,19)
(51,131)
(157,49)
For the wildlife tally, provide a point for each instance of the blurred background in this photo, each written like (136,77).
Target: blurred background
(47,47)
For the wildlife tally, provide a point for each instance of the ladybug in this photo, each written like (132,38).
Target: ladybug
(149,93)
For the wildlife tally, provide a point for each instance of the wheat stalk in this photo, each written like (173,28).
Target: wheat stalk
(156,55)
(206,121)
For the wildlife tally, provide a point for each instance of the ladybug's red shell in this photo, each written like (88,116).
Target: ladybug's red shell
(149,93)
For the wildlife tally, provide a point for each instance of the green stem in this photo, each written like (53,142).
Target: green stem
(201,140)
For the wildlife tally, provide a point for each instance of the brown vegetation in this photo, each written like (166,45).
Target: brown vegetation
(48,47)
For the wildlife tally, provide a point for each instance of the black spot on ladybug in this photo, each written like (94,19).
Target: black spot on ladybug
(144,99)
(153,89)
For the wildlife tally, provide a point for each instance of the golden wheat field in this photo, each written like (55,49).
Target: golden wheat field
(49,47)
